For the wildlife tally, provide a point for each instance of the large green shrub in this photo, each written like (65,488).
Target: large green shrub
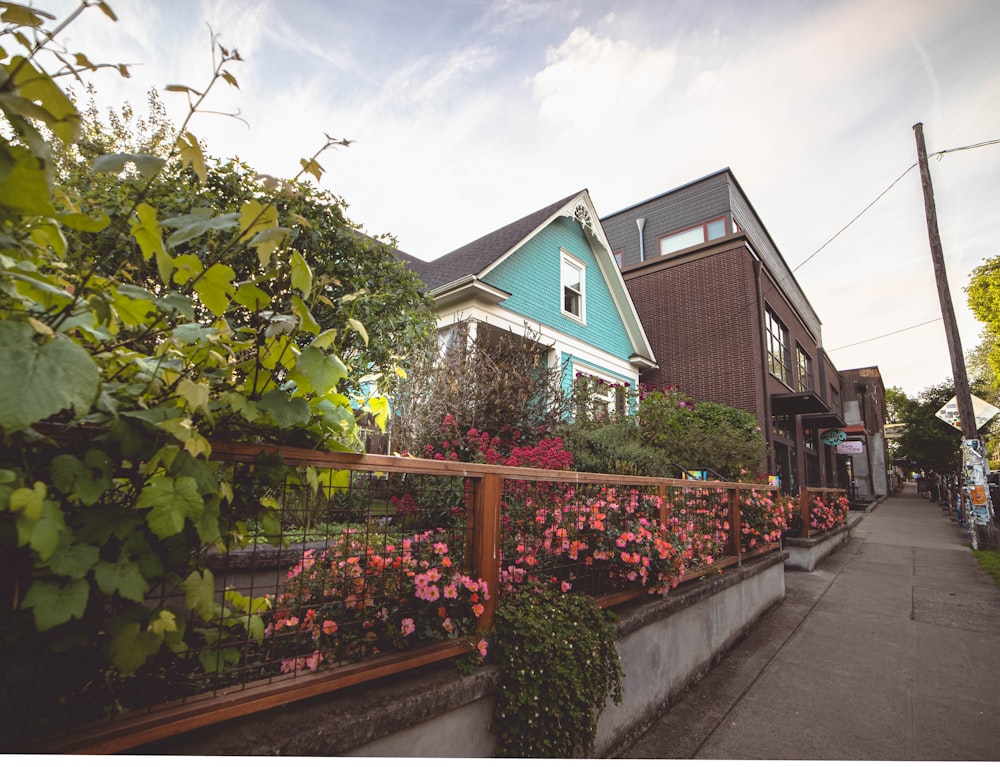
(702,435)
(614,449)
(666,430)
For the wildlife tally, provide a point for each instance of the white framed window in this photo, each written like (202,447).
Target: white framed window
(597,394)
(573,276)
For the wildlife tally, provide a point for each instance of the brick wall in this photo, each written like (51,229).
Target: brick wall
(701,319)
(798,334)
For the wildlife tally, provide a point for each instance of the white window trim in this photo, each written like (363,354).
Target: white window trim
(567,258)
(608,398)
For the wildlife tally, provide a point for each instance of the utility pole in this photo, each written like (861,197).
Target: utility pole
(974,497)
(963,395)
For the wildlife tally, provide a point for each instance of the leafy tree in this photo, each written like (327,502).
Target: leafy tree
(895,402)
(984,361)
(987,386)
(926,442)
(152,300)
(983,293)
(363,286)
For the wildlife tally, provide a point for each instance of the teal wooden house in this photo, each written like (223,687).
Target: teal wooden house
(551,273)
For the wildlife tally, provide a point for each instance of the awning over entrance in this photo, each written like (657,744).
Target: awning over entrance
(854,430)
(824,421)
(799,403)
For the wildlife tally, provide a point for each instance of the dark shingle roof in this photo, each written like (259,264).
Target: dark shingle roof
(474,258)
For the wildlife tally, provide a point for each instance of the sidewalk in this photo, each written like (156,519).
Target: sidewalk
(889,650)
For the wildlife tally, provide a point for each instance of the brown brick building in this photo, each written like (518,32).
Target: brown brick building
(728,323)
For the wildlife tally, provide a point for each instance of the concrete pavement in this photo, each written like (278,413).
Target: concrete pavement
(888,650)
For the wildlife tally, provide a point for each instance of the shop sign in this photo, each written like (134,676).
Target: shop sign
(851,448)
(833,437)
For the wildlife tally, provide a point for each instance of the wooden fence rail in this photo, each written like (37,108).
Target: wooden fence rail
(807,517)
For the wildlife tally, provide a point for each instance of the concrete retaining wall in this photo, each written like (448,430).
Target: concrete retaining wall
(807,553)
(666,644)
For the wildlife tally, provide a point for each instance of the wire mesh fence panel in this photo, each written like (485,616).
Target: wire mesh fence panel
(589,537)
(317,569)
(355,564)
(701,518)
(764,516)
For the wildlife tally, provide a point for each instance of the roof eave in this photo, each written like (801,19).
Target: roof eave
(467,288)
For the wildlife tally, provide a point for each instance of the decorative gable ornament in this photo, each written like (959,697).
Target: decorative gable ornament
(582,214)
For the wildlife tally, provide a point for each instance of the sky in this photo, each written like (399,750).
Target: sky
(466,115)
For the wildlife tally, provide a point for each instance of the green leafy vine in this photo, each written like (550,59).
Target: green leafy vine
(150,304)
(559,665)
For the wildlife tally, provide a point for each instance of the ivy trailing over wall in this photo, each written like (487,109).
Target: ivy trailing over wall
(559,665)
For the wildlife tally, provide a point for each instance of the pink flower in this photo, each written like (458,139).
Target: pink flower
(565,586)
(329,627)
(407,626)
(483,646)
(478,610)
(429,593)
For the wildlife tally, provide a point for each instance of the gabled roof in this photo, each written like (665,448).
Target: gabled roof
(461,274)
(480,255)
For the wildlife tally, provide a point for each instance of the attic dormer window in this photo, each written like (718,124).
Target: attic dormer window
(573,279)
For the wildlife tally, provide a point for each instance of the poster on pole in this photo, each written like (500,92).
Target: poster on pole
(982,411)
(979,506)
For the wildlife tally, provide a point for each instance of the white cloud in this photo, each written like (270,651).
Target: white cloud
(590,81)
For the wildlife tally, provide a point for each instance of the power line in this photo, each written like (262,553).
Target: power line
(886,190)
(886,335)
(963,148)
(869,205)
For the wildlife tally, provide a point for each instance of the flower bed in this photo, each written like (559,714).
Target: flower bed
(589,538)
(827,513)
(764,518)
(816,510)
(352,602)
